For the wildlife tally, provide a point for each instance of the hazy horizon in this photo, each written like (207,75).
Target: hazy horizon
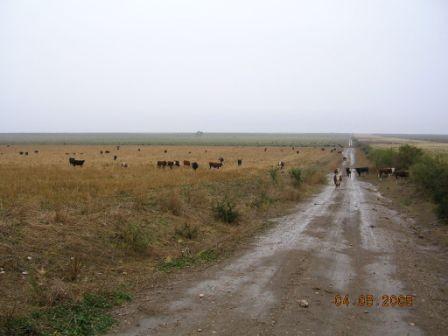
(352,66)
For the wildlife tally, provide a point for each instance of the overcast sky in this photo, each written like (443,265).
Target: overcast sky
(224,66)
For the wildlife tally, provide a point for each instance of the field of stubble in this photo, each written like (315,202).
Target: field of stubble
(66,231)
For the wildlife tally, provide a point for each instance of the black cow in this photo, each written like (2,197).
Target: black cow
(194,165)
(115,157)
(362,170)
(348,171)
(401,173)
(177,163)
(239,162)
(73,162)
(170,164)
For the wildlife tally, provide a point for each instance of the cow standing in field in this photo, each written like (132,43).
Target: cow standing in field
(215,165)
(221,159)
(118,147)
(170,164)
(177,163)
(115,158)
(281,164)
(186,163)
(73,162)
(124,165)
(161,164)
(362,170)
(385,172)
(401,174)
(239,162)
(194,165)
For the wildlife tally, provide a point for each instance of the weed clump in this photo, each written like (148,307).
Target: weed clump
(187,231)
(296,176)
(225,211)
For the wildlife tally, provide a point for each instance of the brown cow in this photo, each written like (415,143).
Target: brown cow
(177,163)
(221,159)
(385,172)
(239,162)
(170,164)
(186,163)
(161,164)
(216,165)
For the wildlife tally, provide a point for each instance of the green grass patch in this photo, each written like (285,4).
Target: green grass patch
(202,257)
(88,317)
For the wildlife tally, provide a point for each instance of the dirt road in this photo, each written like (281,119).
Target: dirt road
(346,241)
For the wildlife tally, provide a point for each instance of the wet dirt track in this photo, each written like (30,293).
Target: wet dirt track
(343,241)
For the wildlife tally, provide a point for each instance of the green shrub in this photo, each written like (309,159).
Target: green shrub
(134,237)
(187,231)
(273,173)
(407,156)
(296,176)
(225,211)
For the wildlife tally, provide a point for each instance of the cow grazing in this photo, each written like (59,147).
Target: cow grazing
(177,163)
(115,157)
(281,164)
(138,149)
(101,152)
(401,174)
(362,170)
(298,152)
(165,151)
(161,164)
(26,153)
(21,153)
(73,162)
(186,163)
(107,152)
(239,162)
(385,172)
(221,159)
(124,165)
(36,152)
(348,171)
(344,159)
(189,152)
(215,165)
(339,152)
(322,149)
(194,165)
(170,164)
(265,149)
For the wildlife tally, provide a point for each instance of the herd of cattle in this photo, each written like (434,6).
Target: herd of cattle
(382,172)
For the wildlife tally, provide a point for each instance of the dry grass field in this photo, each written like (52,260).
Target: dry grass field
(431,144)
(66,231)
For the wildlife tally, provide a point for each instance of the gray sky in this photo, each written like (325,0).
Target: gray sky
(230,65)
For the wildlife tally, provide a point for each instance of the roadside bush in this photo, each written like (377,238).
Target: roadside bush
(134,237)
(187,231)
(273,173)
(225,211)
(383,157)
(407,156)
(431,175)
(296,176)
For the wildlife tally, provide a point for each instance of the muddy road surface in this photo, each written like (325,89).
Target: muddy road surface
(344,263)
